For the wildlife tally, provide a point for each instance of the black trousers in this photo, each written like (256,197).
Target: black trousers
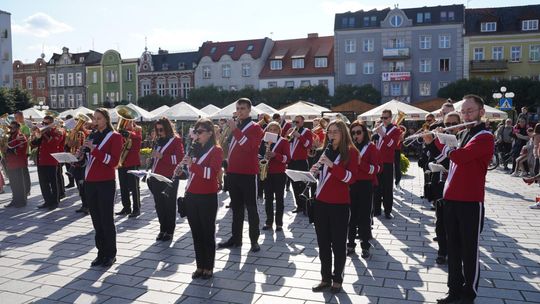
(60,180)
(440,229)
(274,188)
(360,222)
(331,223)
(243,193)
(129,183)
(384,190)
(78,175)
(27,183)
(165,202)
(48,184)
(298,187)
(71,179)
(397,166)
(464,221)
(100,198)
(201,212)
(18,189)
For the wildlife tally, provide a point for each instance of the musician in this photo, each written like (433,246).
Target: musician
(284,124)
(397,157)
(362,190)
(25,130)
(67,148)
(331,211)
(314,153)
(387,139)
(16,160)
(301,140)
(59,171)
(77,169)
(167,153)
(129,183)
(47,142)
(242,170)
(201,199)
(264,119)
(278,156)
(102,154)
(464,197)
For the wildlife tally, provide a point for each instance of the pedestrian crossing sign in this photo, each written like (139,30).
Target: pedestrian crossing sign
(505,104)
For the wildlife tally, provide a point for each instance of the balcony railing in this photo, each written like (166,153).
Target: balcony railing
(396,53)
(489,66)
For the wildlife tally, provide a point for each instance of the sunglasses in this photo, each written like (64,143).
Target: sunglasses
(297,122)
(384,117)
(200,131)
(159,129)
(354,133)
(450,124)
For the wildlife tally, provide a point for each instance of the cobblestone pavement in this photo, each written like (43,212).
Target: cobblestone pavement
(45,255)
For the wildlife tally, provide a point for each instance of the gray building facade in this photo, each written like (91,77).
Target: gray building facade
(6,52)
(406,54)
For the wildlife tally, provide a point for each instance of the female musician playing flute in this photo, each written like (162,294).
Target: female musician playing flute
(166,155)
(362,190)
(339,163)
(201,200)
(103,153)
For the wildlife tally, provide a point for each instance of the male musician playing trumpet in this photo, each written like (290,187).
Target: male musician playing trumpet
(16,160)
(283,124)
(300,139)
(47,142)
(129,183)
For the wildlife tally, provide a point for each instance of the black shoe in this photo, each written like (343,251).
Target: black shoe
(134,214)
(124,211)
(267,227)
(255,248)
(388,216)
(207,274)
(279,228)
(376,213)
(62,196)
(160,236)
(449,299)
(83,210)
(227,206)
(320,287)
(229,244)
(70,185)
(466,301)
(52,207)
(197,274)
(167,237)
(108,262)
(298,210)
(435,239)
(10,205)
(97,262)
(336,288)
(43,206)
(441,259)
(350,250)
(365,253)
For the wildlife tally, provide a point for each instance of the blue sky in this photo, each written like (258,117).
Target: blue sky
(176,25)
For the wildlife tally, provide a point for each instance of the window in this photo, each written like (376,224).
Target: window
(95,98)
(444,64)
(249,47)
(425,88)
(272,84)
(488,26)
(60,81)
(444,41)
(78,79)
(350,46)
(226,71)
(479,53)
(427,17)
(213,50)
(323,82)
(534,53)
(451,16)
(17,83)
(298,63)
(41,83)
(425,65)
(425,42)
(181,65)
(443,84)
(396,21)
(129,96)
(173,87)
(497,53)
(231,49)
(396,43)
(161,89)
(81,59)
(515,53)
(305,83)
(369,67)
(289,84)
(94,77)
(368,45)
(70,80)
(321,62)
(54,103)
(423,17)
(165,66)
(29,83)
(350,68)
(396,66)
(52,80)
(276,65)
(529,25)
(66,61)
(185,86)
(443,16)
(373,20)
(246,69)
(366,21)
(207,74)
(347,22)
(129,75)
(395,89)
(108,76)
(146,87)
(61,103)
(78,100)
(71,101)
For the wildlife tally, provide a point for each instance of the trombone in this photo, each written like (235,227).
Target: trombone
(409,140)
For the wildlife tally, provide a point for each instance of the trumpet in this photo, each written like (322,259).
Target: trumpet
(290,133)
(409,140)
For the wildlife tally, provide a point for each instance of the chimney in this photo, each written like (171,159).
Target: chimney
(313,35)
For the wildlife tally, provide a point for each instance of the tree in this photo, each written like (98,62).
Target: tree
(203,96)
(154,101)
(22,99)
(346,92)
(7,101)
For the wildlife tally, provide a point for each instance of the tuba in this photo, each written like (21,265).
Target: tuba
(74,136)
(125,115)
(400,117)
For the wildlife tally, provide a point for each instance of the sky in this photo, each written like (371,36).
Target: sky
(181,25)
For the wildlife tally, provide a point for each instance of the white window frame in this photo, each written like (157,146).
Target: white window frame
(368,45)
(41,83)
(276,65)
(443,84)
(246,69)
(424,88)
(515,53)
(173,87)
(71,101)
(129,75)
(368,68)
(350,68)
(534,52)
(78,100)
(321,62)
(60,78)
(54,103)
(396,66)
(305,83)
(425,65)
(129,96)
(445,41)
(29,83)
(78,79)
(488,27)
(52,80)
(449,64)
(95,98)
(161,85)
(529,25)
(478,53)
(61,103)
(289,84)
(425,42)
(207,72)
(226,71)
(185,86)
(497,52)
(146,87)
(94,77)
(298,63)
(395,89)
(272,84)
(70,79)
(350,46)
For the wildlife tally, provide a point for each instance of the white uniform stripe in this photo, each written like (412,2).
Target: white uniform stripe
(477,265)
(306,144)
(371,169)
(390,142)
(348,176)
(284,158)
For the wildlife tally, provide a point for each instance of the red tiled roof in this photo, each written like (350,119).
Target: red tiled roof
(235,49)
(307,48)
(354,105)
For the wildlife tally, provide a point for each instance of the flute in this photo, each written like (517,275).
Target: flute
(410,139)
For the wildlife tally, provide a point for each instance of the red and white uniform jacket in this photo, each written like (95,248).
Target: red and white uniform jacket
(466,179)
(301,145)
(333,186)
(62,143)
(133,157)
(204,171)
(244,148)
(285,127)
(47,144)
(172,153)
(369,166)
(388,143)
(16,157)
(102,161)
(278,163)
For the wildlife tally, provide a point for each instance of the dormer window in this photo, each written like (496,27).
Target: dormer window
(213,50)
(181,66)
(66,60)
(488,26)
(81,59)
(51,61)
(529,25)
(231,49)
(249,47)
(165,66)
(423,17)
(396,21)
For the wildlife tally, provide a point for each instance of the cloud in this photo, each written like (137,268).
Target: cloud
(41,25)
(173,39)
(333,7)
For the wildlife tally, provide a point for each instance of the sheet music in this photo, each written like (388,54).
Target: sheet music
(143,173)
(449,140)
(433,167)
(270,137)
(64,157)
(300,176)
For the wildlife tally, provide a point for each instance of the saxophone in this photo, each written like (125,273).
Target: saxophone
(263,164)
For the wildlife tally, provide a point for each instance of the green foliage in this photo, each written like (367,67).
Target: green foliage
(22,99)
(404,163)
(346,92)
(154,101)
(7,102)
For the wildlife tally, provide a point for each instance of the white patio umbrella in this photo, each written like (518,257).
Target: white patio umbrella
(33,113)
(227,112)
(156,113)
(412,112)
(144,115)
(183,111)
(76,111)
(491,112)
(210,109)
(266,109)
(307,109)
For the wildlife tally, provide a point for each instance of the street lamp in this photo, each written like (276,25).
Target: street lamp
(41,106)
